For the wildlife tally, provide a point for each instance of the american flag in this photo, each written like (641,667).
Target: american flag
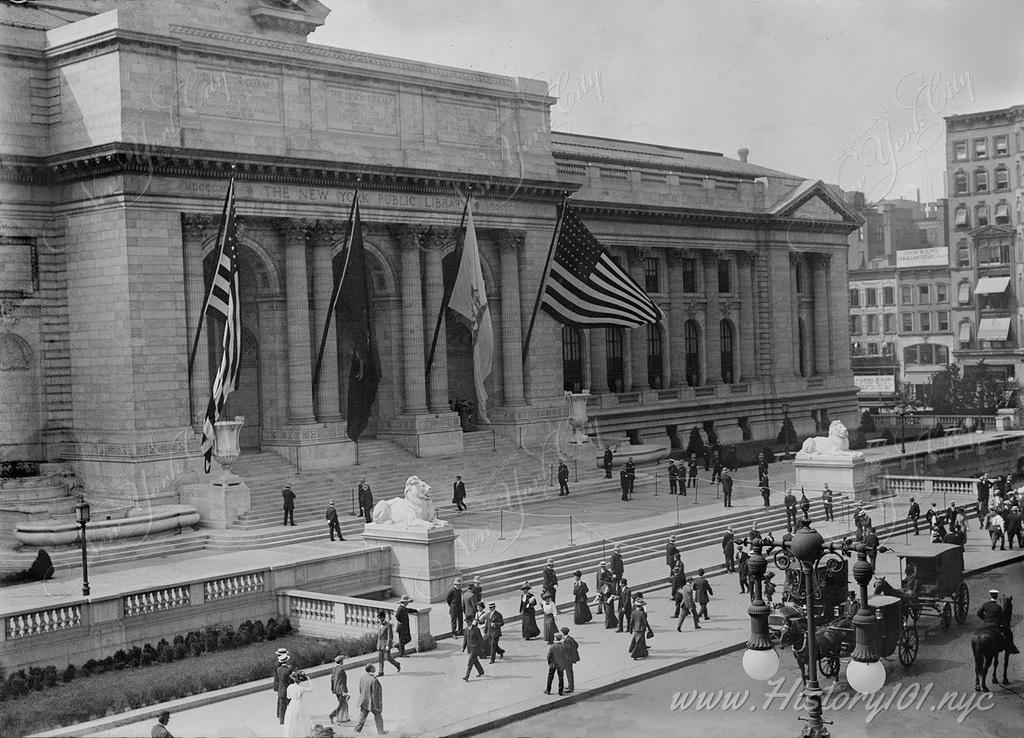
(223,302)
(585,288)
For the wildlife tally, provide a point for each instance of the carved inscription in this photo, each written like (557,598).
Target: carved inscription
(362,111)
(327,195)
(225,94)
(467,125)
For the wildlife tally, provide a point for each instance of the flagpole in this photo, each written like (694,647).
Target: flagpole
(336,293)
(220,252)
(544,278)
(445,299)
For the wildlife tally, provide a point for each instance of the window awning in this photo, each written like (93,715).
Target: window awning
(965,332)
(964,293)
(994,329)
(991,285)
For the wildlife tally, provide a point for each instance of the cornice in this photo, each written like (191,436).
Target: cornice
(674,168)
(109,159)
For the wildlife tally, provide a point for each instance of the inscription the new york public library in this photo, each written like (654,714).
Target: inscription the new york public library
(322,195)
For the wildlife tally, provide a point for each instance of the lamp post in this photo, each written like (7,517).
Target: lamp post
(865,673)
(785,426)
(901,411)
(82,516)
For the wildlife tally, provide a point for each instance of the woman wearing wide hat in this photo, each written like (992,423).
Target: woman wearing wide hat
(528,609)
(581,609)
(548,608)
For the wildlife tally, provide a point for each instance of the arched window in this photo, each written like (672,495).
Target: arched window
(726,334)
(960,183)
(691,340)
(801,348)
(980,180)
(981,215)
(572,359)
(613,352)
(654,361)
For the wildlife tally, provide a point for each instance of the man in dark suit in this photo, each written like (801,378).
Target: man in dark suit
(332,521)
(456,606)
(556,665)
(743,569)
(459,493)
(678,580)
(726,481)
(673,477)
(563,478)
(402,629)
(790,502)
(385,642)
(371,700)
(913,514)
(701,593)
(289,504)
(729,550)
(493,623)
(692,473)
(474,647)
(631,474)
(572,656)
(282,678)
(625,606)
(608,457)
(550,579)
(615,563)
(670,554)
(826,501)
(364,495)
(991,614)
(624,482)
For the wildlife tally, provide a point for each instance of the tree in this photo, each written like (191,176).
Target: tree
(787,435)
(976,391)
(867,422)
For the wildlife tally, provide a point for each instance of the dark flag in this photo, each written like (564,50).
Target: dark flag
(354,304)
(586,288)
(223,302)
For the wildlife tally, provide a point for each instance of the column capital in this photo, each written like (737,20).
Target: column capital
(293,228)
(678,256)
(820,259)
(325,232)
(407,236)
(745,257)
(710,257)
(636,254)
(795,257)
(194,226)
(509,240)
(437,239)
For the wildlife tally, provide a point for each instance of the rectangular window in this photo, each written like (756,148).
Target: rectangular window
(1001,145)
(941,293)
(960,217)
(926,354)
(888,323)
(963,254)
(724,283)
(888,296)
(872,349)
(854,298)
(980,148)
(907,322)
(925,320)
(689,275)
(942,320)
(1002,179)
(854,325)
(652,281)
(924,294)
(906,295)
(1002,213)
(872,325)
(871,297)
(960,150)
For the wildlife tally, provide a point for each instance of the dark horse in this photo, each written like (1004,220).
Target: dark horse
(828,642)
(910,604)
(986,644)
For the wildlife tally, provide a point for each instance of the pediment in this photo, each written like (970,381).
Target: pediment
(816,209)
(812,200)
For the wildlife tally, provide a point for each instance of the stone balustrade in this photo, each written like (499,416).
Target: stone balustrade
(915,486)
(242,584)
(331,616)
(42,621)
(168,598)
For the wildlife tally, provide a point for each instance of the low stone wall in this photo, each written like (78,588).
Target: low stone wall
(331,616)
(79,629)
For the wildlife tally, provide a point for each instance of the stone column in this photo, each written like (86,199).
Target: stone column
(436,242)
(598,361)
(839,325)
(328,404)
(413,354)
(510,244)
(300,371)
(193,232)
(676,319)
(748,317)
(794,310)
(712,329)
(822,349)
(637,377)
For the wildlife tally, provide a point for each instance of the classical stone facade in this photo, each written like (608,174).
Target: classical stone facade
(130,118)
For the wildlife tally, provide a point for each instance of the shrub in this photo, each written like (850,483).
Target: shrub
(17,684)
(163,652)
(50,676)
(887,435)
(858,439)
(695,444)
(89,667)
(134,656)
(69,674)
(271,629)
(284,628)
(210,637)
(258,631)
(867,422)
(120,658)
(226,639)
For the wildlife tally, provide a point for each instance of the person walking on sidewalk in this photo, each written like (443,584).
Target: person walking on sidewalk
(826,501)
(687,606)
(608,457)
(402,624)
(913,514)
(333,526)
(615,564)
(371,699)
(563,478)
(726,481)
(528,611)
(282,678)
(625,606)
(790,502)
(456,610)
(339,688)
(641,630)
(556,664)
(624,483)
(385,642)
(459,493)
(670,554)
(631,474)
(364,495)
(729,551)
(548,608)
(493,623)
(765,489)
(743,569)
(289,505)
(702,593)
(580,592)
(604,584)
(572,657)
(474,647)
(677,582)
(550,579)
(160,729)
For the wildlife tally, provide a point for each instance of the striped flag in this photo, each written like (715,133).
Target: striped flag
(585,288)
(223,302)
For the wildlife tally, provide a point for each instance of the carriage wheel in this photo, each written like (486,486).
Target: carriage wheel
(946,616)
(961,603)
(906,648)
(915,612)
(828,665)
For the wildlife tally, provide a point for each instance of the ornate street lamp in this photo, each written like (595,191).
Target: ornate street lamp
(901,410)
(865,673)
(785,426)
(82,516)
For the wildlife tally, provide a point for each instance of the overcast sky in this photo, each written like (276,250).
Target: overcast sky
(853,93)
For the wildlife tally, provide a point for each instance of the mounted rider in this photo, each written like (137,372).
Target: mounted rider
(993,618)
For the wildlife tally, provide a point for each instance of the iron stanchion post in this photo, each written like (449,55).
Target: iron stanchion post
(655,485)
(494,441)
(570,531)
(501,524)
(575,470)
(677,509)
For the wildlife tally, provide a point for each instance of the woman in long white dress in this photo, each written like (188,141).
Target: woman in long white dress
(296,717)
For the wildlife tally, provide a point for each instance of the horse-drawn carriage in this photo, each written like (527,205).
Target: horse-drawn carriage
(931,583)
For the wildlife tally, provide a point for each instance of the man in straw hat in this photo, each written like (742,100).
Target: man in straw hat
(282,678)
(493,623)
(615,563)
(333,525)
(455,606)
(385,641)
(474,646)
(402,624)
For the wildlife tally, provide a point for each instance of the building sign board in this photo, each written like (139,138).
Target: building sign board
(873,384)
(922,257)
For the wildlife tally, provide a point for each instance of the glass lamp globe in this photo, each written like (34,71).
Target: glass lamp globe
(866,678)
(760,665)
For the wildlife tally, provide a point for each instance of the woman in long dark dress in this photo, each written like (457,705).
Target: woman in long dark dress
(581,609)
(528,609)
(548,608)
(641,631)
(610,621)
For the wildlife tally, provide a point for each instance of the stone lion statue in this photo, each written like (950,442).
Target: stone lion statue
(415,509)
(837,443)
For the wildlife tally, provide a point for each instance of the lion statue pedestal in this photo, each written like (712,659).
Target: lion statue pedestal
(422,546)
(829,459)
